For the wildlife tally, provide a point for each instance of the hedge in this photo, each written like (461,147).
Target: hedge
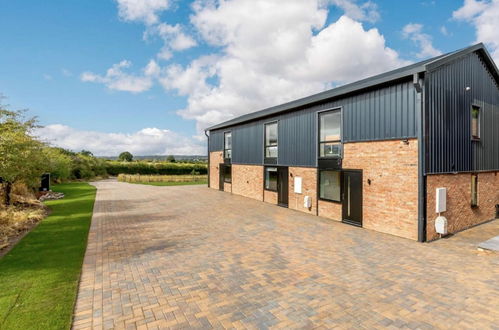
(116,168)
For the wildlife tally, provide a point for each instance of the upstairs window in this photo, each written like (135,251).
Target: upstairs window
(475,122)
(330,134)
(271,140)
(227,145)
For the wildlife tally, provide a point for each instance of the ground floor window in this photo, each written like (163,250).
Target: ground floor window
(228,174)
(474,190)
(330,185)
(271,178)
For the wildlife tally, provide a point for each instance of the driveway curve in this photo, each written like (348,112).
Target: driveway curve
(193,257)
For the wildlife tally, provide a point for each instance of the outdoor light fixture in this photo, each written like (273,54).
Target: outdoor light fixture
(468,88)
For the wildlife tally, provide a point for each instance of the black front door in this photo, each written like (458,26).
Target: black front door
(352,197)
(282,186)
(221,180)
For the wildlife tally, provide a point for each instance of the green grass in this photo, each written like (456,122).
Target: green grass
(39,276)
(187,183)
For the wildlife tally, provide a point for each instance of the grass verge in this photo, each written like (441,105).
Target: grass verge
(187,183)
(39,276)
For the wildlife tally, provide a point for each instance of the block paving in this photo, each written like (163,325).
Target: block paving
(192,257)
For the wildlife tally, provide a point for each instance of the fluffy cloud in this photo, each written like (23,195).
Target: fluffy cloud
(173,36)
(367,11)
(145,11)
(116,79)
(415,33)
(272,54)
(484,16)
(147,141)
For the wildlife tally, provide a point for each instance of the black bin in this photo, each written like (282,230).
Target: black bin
(45,182)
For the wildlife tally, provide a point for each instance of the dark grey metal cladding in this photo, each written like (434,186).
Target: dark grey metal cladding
(449,145)
(247,143)
(216,140)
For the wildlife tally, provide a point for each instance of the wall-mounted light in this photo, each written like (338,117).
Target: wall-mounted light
(369,181)
(406,141)
(468,88)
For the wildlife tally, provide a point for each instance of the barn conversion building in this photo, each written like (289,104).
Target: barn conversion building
(376,153)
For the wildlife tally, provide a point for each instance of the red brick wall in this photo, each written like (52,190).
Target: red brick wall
(330,210)
(227,187)
(308,186)
(460,215)
(270,196)
(390,202)
(216,158)
(247,180)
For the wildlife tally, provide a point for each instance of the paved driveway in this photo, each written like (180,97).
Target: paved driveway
(190,256)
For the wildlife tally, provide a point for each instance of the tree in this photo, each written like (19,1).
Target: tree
(21,154)
(86,153)
(125,157)
(170,159)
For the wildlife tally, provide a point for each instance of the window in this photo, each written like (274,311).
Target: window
(227,145)
(474,190)
(330,134)
(330,185)
(271,140)
(228,174)
(475,122)
(271,178)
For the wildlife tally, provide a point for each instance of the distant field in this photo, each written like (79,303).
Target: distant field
(164,180)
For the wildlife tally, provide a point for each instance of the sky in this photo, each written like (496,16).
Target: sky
(148,76)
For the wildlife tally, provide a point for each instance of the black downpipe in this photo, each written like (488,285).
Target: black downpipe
(208,148)
(418,85)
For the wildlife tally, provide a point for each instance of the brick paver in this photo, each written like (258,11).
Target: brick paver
(193,257)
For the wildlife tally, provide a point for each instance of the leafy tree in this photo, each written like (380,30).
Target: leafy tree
(170,159)
(22,157)
(125,157)
(86,153)
(59,163)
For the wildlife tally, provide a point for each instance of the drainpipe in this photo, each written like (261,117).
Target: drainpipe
(208,148)
(418,86)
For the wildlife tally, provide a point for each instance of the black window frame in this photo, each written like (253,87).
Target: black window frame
(321,142)
(265,168)
(478,124)
(227,168)
(474,190)
(227,159)
(321,170)
(270,160)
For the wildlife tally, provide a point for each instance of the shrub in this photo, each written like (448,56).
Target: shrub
(115,168)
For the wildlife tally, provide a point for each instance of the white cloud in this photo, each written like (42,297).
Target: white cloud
(173,36)
(116,79)
(145,11)
(46,76)
(415,33)
(367,11)
(147,141)
(484,16)
(66,72)
(271,54)
(444,31)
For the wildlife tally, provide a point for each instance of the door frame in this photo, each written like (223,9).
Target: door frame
(221,177)
(344,200)
(280,169)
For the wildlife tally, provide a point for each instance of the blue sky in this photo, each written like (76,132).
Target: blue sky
(188,64)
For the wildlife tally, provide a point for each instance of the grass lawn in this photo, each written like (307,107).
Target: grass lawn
(39,276)
(172,183)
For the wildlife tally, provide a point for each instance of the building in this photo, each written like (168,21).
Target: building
(373,153)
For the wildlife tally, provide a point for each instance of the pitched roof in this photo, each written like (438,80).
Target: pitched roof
(370,82)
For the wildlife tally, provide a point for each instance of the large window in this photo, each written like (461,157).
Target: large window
(474,190)
(227,145)
(227,174)
(330,185)
(330,134)
(271,140)
(271,178)
(475,122)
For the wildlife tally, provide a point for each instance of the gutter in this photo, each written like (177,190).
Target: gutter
(208,149)
(419,86)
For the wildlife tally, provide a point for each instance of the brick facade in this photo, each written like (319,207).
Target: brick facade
(308,185)
(228,187)
(330,210)
(216,158)
(247,180)
(390,202)
(460,215)
(270,197)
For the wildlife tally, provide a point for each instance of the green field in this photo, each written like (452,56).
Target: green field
(39,277)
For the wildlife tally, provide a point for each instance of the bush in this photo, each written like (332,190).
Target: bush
(137,178)
(115,168)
